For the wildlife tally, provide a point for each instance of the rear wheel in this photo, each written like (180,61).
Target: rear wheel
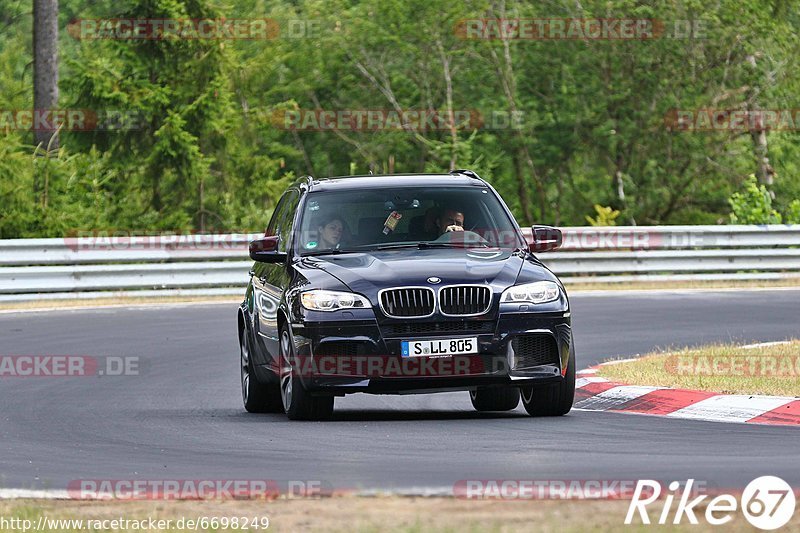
(256,396)
(553,399)
(494,398)
(298,403)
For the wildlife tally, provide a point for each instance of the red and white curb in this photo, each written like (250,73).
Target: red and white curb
(595,393)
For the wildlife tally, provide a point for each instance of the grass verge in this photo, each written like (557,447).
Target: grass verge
(726,368)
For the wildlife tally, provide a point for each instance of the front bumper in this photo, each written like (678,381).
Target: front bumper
(363,355)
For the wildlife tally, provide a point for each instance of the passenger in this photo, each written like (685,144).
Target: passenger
(330,230)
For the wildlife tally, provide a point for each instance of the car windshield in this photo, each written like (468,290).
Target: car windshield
(404,217)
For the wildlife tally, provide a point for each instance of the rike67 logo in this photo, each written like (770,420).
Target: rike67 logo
(767,502)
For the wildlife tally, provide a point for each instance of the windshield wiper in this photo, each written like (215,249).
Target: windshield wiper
(397,245)
(361,249)
(440,245)
(422,245)
(332,251)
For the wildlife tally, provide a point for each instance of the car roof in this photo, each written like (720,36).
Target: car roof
(394,180)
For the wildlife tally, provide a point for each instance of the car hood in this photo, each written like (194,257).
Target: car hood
(366,273)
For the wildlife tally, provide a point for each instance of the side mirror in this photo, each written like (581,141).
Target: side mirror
(544,239)
(265,250)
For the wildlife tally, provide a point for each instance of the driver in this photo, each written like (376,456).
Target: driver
(450,220)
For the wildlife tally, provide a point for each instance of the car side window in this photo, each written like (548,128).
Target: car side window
(272,227)
(285,216)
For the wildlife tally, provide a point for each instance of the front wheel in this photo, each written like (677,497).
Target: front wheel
(494,398)
(256,396)
(554,399)
(298,403)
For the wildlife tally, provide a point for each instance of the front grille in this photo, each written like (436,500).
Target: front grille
(407,302)
(437,328)
(534,350)
(465,300)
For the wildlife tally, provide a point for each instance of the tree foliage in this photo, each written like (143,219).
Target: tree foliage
(203,149)
(753,205)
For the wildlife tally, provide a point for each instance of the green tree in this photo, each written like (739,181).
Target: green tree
(753,205)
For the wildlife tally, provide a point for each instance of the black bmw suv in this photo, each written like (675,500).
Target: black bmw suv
(403,284)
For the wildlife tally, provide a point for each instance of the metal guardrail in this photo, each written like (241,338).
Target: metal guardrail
(85,266)
(102,248)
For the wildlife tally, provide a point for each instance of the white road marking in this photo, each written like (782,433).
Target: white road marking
(614,397)
(731,407)
(425,492)
(17,494)
(762,345)
(582,382)
(619,361)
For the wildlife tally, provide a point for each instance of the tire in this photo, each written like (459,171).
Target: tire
(297,402)
(554,399)
(256,396)
(494,398)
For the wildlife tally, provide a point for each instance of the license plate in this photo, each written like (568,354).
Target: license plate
(439,347)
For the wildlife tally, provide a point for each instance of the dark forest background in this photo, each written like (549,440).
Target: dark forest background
(205,153)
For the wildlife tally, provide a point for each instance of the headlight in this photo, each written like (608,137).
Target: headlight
(538,293)
(319,300)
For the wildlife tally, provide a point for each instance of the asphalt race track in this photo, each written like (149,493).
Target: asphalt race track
(182,418)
